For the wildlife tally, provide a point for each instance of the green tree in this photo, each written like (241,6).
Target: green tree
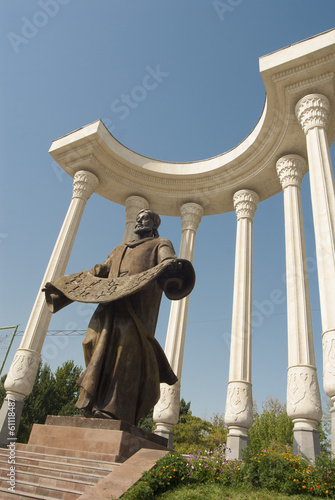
(191,434)
(67,390)
(185,409)
(218,434)
(52,394)
(195,434)
(147,422)
(272,428)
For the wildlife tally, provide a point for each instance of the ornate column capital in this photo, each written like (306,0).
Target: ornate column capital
(312,111)
(133,205)
(191,214)
(290,170)
(245,203)
(84,184)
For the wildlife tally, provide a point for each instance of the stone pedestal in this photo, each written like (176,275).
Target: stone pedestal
(306,440)
(113,437)
(238,440)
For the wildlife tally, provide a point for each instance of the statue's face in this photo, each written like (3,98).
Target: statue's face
(144,225)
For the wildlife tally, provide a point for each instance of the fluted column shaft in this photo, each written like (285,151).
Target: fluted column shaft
(303,394)
(133,205)
(22,373)
(238,414)
(166,412)
(312,112)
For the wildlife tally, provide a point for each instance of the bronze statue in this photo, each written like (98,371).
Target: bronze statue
(124,362)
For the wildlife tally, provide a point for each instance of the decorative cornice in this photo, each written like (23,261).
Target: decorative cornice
(281,75)
(290,170)
(84,184)
(245,203)
(309,82)
(312,111)
(191,214)
(214,181)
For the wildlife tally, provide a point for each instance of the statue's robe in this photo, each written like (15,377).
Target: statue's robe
(124,362)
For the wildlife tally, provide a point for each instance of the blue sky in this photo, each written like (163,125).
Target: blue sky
(67,63)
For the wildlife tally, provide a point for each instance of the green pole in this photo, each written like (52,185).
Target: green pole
(10,343)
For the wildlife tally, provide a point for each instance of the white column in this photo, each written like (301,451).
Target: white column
(22,373)
(133,205)
(303,394)
(166,412)
(312,112)
(238,414)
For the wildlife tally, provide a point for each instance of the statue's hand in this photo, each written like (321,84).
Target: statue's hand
(175,267)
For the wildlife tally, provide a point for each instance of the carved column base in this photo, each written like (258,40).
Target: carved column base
(22,373)
(166,411)
(303,394)
(306,439)
(237,440)
(18,385)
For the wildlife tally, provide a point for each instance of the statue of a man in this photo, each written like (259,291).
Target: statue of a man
(124,362)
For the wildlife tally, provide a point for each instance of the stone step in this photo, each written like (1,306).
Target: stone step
(52,473)
(7,495)
(94,457)
(32,459)
(70,458)
(28,489)
(48,481)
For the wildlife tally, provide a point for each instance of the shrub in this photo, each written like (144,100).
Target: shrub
(271,470)
(168,472)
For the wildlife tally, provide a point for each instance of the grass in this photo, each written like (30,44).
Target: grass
(219,492)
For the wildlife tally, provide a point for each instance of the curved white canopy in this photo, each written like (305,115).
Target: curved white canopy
(289,74)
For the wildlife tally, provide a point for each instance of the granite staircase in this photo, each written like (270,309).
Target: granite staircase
(43,472)
(74,457)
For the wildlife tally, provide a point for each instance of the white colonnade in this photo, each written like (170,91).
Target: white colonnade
(303,394)
(238,414)
(312,112)
(304,68)
(22,372)
(166,412)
